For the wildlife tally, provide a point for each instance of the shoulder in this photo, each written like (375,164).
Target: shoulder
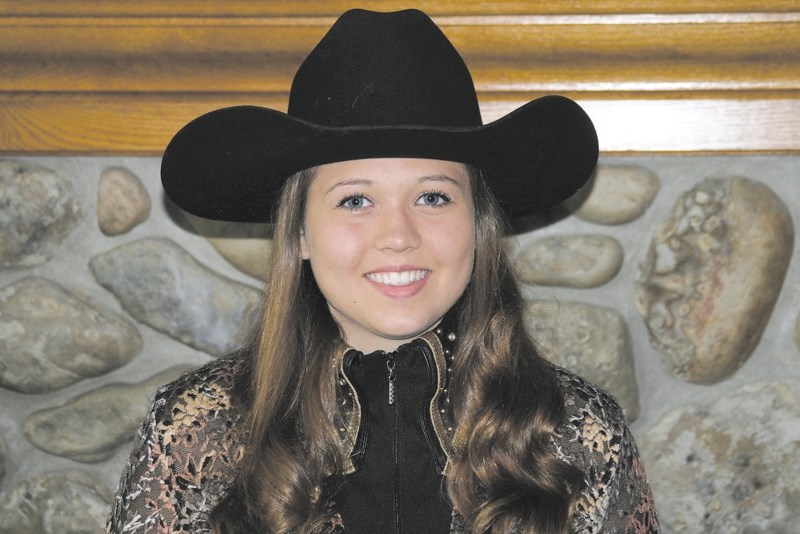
(595,438)
(205,392)
(186,456)
(588,405)
(593,430)
(198,412)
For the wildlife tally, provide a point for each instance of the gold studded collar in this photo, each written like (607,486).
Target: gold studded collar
(439,343)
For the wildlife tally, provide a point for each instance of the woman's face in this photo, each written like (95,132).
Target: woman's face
(391,245)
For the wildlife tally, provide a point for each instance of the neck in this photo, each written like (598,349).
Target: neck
(367,342)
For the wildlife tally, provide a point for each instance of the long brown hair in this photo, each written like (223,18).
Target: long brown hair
(505,397)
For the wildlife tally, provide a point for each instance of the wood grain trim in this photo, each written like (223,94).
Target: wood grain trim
(272,8)
(143,124)
(202,57)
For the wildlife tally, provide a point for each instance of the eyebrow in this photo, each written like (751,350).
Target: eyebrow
(354,181)
(440,178)
(422,179)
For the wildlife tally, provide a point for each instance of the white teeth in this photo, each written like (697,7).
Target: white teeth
(398,279)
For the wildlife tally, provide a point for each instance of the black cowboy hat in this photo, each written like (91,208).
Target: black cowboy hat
(378,85)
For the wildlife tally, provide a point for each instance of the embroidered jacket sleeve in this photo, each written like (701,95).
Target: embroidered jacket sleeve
(616,497)
(182,460)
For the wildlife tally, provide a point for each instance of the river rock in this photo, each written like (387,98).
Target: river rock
(590,341)
(38,209)
(619,194)
(731,465)
(712,275)
(2,459)
(579,261)
(122,201)
(163,286)
(797,332)
(56,503)
(51,338)
(244,245)
(90,427)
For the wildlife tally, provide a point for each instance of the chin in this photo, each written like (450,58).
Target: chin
(407,331)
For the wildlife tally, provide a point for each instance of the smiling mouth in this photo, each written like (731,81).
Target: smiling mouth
(403,278)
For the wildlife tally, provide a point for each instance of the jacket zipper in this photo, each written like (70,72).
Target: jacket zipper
(390,364)
(390,369)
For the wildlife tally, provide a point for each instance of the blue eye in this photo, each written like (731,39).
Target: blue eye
(354,202)
(434,199)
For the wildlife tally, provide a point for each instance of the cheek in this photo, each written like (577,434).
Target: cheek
(456,240)
(330,245)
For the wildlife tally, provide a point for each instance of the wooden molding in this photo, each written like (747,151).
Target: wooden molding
(119,77)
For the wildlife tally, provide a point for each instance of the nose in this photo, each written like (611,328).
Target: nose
(397,230)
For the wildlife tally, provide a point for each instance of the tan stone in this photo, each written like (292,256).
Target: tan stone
(55,503)
(619,194)
(244,245)
(122,201)
(161,285)
(590,341)
(729,465)
(39,208)
(580,261)
(51,337)
(797,332)
(2,459)
(712,275)
(90,427)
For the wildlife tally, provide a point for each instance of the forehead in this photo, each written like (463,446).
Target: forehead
(389,170)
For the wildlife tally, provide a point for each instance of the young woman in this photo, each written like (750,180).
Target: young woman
(392,386)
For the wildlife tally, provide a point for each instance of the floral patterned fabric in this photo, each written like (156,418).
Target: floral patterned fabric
(187,453)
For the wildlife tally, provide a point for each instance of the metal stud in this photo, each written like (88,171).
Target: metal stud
(451,336)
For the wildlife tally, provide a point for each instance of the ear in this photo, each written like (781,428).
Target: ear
(303,245)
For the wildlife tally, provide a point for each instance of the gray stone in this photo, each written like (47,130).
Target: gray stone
(712,275)
(51,338)
(579,261)
(244,245)
(163,286)
(797,332)
(619,194)
(122,201)
(90,427)
(729,466)
(38,209)
(55,503)
(588,340)
(2,459)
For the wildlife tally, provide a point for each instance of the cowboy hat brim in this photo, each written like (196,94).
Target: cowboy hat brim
(230,164)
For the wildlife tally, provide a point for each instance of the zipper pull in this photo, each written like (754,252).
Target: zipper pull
(390,368)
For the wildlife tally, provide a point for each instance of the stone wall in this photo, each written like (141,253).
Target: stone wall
(673,286)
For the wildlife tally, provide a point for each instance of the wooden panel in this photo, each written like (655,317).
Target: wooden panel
(121,77)
(143,124)
(221,57)
(127,8)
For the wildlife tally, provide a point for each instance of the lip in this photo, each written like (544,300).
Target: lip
(398,282)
